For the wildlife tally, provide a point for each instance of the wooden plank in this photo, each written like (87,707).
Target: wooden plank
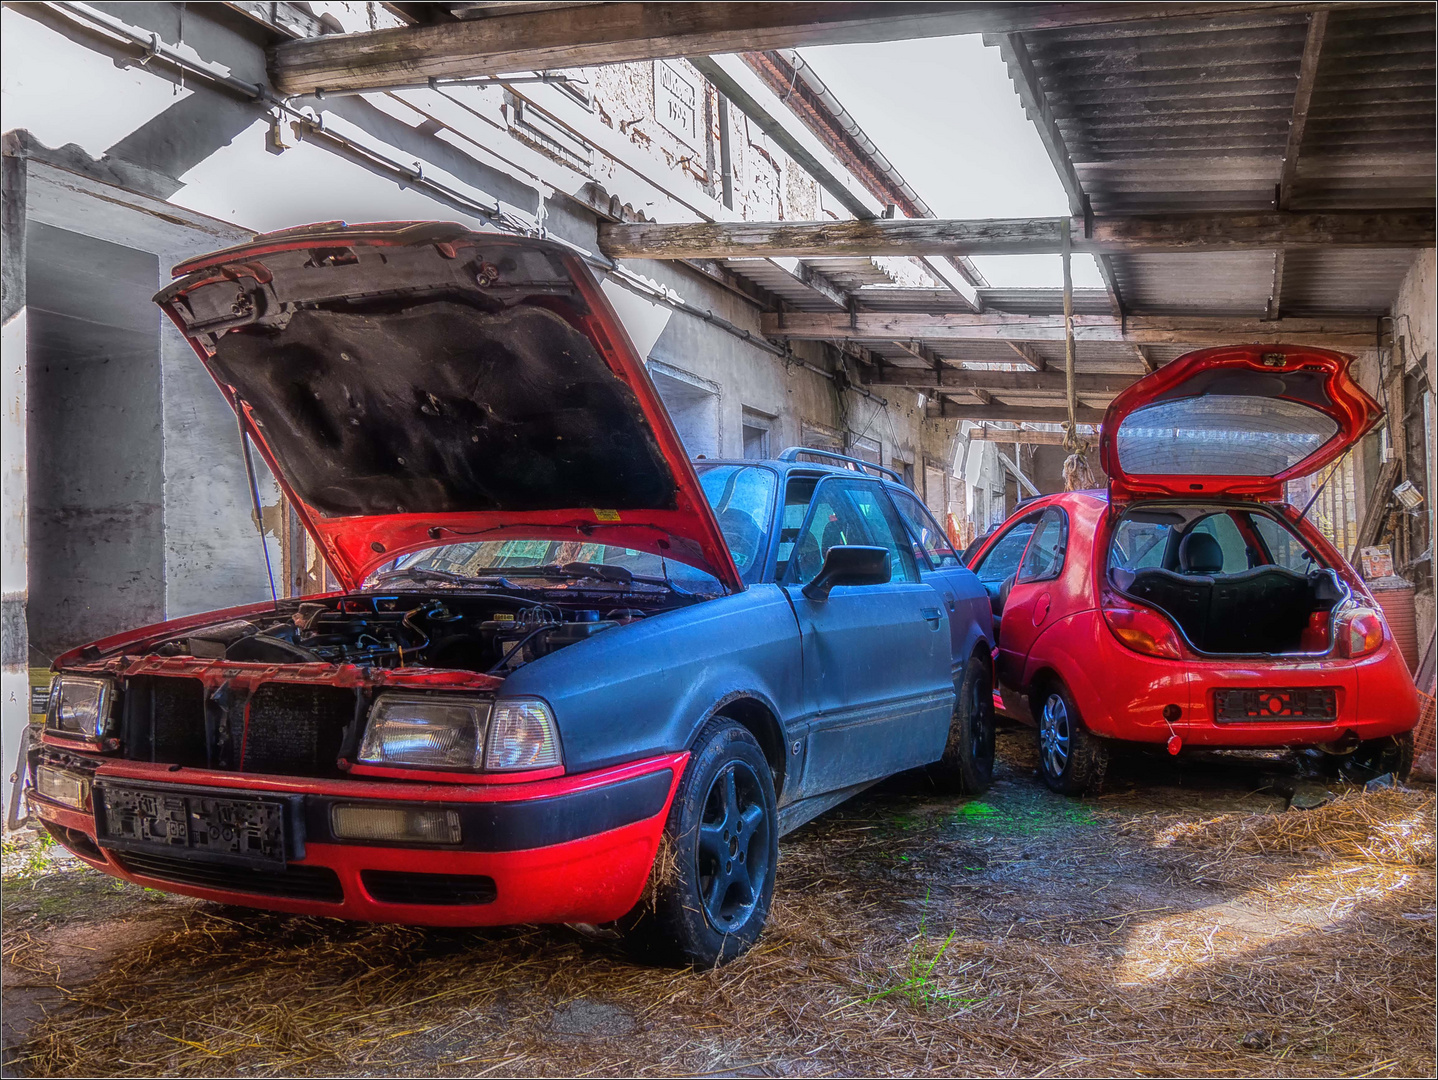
(1302,97)
(1130,234)
(1024,436)
(1036,104)
(945,409)
(1029,355)
(1339,332)
(997,381)
(1275,291)
(615,33)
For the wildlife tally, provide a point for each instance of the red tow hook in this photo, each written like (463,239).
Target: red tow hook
(1170,714)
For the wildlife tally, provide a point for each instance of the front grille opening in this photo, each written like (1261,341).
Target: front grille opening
(287,729)
(296,882)
(164,720)
(402,887)
(296,730)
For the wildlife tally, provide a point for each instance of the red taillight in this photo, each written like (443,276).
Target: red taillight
(1359,632)
(1141,629)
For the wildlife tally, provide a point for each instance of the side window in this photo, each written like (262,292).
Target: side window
(928,537)
(1284,549)
(850,512)
(1044,559)
(1003,558)
(1138,544)
(885,529)
(797,494)
(1222,529)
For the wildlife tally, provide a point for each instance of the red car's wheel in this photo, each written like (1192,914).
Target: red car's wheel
(1071,760)
(714,878)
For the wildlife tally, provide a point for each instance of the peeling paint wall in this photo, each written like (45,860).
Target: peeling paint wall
(1415,323)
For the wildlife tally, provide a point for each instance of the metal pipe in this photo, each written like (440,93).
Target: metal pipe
(726,162)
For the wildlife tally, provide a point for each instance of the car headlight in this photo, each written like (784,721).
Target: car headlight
(522,735)
(80,707)
(433,732)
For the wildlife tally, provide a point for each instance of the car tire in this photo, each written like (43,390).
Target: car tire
(709,893)
(967,767)
(1373,758)
(1071,760)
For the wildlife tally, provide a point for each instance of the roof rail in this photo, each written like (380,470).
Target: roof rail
(793,453)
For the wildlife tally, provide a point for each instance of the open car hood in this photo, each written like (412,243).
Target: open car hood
(413,384)
(1239,420)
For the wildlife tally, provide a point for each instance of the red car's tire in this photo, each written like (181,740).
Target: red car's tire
(967,767)
(709,893)
(1071,760)
(1373,758)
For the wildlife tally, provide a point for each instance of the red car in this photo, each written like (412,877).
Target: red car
(1189,605)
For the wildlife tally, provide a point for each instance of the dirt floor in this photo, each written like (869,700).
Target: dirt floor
(1185,922)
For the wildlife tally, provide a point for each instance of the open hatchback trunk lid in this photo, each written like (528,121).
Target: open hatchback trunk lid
(413,384)
(1233,421)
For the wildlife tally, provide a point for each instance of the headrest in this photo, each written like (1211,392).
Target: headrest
(1200,554)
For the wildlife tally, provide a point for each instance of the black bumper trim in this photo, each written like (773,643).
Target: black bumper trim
(520,824)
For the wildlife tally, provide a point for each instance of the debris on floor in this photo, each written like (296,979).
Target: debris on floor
(1187,922)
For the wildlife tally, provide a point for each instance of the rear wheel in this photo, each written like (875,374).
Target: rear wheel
(713,882)
(967,767)
(1072,761)
(1373,758)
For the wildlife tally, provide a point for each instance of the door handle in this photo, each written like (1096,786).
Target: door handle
(932,616)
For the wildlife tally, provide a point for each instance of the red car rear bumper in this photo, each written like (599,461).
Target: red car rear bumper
(1122,694)
(570,849)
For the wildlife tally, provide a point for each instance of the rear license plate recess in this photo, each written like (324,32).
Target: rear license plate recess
(1313,703)
(235,827)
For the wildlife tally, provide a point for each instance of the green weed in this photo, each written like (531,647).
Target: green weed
(918,986)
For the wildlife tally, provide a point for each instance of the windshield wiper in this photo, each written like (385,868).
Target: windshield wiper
(420,573)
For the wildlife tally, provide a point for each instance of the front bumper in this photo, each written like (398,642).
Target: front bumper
(568,849)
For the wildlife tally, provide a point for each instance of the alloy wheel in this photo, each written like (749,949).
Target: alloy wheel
(1054,735)
(733,847)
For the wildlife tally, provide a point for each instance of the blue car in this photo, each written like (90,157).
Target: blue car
(568,676)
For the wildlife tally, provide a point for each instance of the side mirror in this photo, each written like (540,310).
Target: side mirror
(849,564)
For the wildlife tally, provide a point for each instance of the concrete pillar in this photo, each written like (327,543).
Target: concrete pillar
(14,578)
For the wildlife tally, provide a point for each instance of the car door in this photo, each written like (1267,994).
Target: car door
(876,658)
(998,563)
(940,567)
(1030,603)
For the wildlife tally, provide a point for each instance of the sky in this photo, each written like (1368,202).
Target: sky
(944,112)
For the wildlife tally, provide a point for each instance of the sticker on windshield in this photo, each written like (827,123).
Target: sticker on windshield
(606,515)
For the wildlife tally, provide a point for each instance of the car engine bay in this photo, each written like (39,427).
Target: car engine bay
(489,634)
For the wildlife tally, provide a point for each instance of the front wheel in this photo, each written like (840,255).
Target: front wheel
(712,885)
(967,767)
(1072,761)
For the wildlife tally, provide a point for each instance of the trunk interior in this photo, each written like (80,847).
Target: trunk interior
(1234,580)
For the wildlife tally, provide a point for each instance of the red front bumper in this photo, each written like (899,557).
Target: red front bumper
(592,878)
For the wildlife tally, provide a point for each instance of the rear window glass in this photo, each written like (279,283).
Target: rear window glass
(1220,435)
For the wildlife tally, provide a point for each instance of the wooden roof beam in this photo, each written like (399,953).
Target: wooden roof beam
(539,38)
(1218,231)
(1339,332)
(998,382)
(1029,355)
(1025,436)
(1302,98)
(947,409)
(1031,92)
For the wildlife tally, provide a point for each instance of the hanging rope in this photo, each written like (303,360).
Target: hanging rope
(1078,476)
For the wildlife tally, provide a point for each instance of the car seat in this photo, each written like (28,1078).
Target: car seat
(1200,553)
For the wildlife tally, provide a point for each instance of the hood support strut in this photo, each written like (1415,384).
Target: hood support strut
(255,495)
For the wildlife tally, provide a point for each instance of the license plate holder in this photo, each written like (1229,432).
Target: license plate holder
(234,827)
(1313,704)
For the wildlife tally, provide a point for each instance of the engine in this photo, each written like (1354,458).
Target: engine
(490,634)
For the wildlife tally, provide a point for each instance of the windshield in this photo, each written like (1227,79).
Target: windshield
(741,496)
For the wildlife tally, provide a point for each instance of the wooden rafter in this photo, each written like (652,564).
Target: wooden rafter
(1225,231)
(1031,92)
(998,381)
(542,38)
(1336,333)
(1025,436)
(1302,98)
(948,409)
(1028,354)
